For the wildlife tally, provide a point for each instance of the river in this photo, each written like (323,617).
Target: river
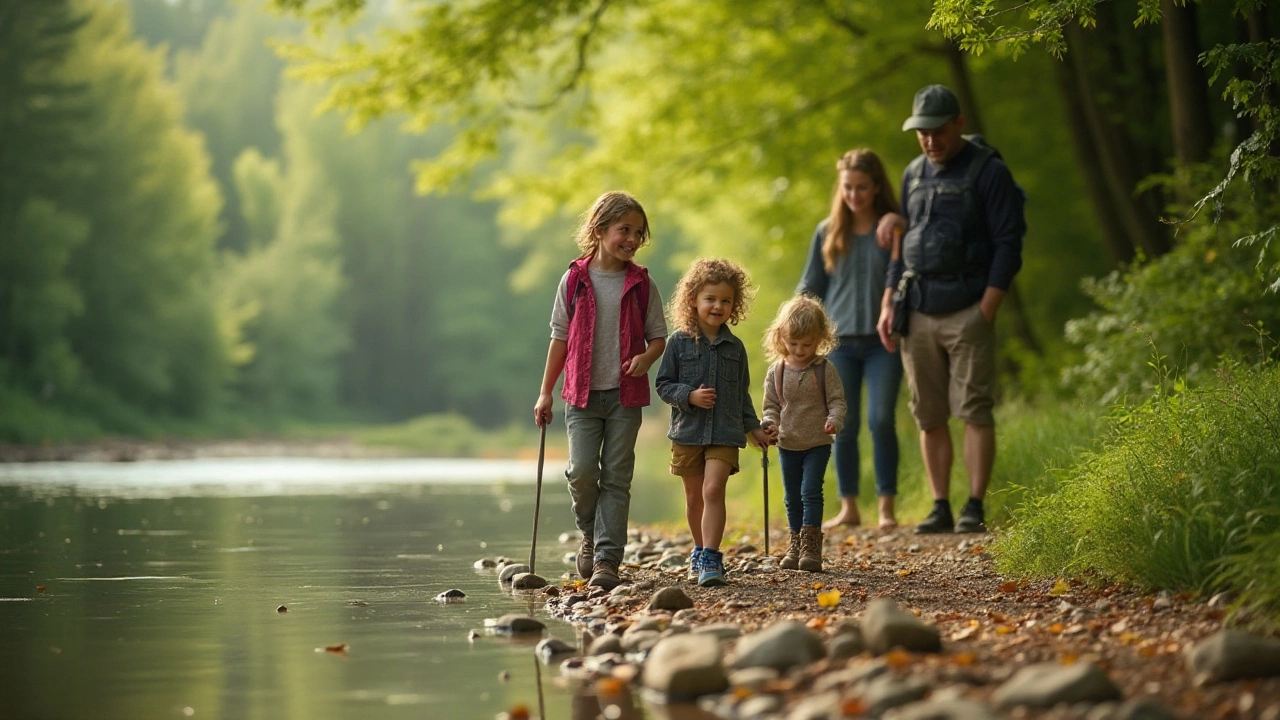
(212,588)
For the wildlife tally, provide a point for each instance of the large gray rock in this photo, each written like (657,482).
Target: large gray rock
(527,581)
(683,667)
(1142,709)
(550,648)
(1046,684)
(670,598)
(723,631)
(845,646)
(823,706)
(886,626)
(510,571)
(782,645)
(1232,654)
(640,640)
(518,624)
(605,644)
(850,676)
(943,710)
(753,678)
(887,691)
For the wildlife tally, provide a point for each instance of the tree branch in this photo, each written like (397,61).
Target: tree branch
(579,68)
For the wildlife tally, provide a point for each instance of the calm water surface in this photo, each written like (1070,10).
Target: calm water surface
(150,590)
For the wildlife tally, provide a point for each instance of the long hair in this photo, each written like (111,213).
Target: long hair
(703,272)
(800,317)
(604,212)
(840,220)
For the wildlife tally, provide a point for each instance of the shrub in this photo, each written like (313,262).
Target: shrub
(1179,483)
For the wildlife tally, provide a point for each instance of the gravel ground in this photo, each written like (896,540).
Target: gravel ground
(990,626)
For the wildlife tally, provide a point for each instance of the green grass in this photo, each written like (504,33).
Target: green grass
(450,435)
(1181,493)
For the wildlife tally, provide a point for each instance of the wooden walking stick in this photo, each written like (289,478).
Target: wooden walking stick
(764,465)
(537,503)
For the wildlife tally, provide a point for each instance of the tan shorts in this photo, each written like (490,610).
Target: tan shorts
(950,362)
(691,460)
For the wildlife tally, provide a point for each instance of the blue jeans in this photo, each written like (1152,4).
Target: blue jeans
(602,459)
(855,358)
(802,473)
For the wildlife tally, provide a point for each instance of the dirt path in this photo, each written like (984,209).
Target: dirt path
(990,627)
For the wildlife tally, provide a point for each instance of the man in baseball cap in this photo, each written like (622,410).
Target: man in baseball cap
(933,106)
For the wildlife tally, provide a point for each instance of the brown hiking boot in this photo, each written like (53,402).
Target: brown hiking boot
(605,575)
(791,559)
(586,556)
(811,548)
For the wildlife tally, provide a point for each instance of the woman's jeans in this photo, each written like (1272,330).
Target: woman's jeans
(856,358)
(802,473)
(602,459)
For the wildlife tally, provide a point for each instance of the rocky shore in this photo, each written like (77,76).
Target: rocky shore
(897,626)
(122,450)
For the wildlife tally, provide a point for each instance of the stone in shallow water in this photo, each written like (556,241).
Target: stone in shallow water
(1044,685)
(453,595)
(886,626)
(1232,655)
(605,644)
(527,581)
(510,571)
(550,648)
(517,624)
(485,564)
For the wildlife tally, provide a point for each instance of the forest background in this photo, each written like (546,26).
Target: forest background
(226,218)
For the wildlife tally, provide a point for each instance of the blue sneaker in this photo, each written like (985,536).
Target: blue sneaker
(695,562)
(712,574)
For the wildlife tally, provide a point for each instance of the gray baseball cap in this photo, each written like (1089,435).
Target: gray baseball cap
(933,106)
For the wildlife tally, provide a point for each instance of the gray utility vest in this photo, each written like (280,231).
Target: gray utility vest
(947,249)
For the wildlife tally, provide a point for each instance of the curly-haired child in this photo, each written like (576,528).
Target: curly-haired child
(705,379)
(804,405)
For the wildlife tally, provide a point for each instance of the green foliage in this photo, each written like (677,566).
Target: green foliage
(1255,576)
(1179,482)
(1203,300)
(444,435)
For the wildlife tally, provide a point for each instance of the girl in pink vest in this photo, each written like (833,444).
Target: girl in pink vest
(607,329)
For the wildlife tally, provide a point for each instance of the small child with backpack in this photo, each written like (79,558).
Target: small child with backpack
(804,405)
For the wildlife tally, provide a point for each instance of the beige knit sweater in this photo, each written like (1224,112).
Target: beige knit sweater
(798,413)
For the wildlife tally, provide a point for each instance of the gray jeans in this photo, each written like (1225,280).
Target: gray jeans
(602,458)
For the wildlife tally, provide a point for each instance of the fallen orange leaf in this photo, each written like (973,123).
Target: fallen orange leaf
(818,586)
(1060,588)
(1057,628)
(608,686)
(829,599)
(898,658)
(905,573)
(339,649)
(1070,659)
(39,588)
(816,623)
(1009,587)
(964,659)
(519,712)
(1003,629)
(853,707)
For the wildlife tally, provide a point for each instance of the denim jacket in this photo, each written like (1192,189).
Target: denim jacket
(690,362)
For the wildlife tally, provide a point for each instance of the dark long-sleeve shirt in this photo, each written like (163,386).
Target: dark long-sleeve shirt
(1002,202)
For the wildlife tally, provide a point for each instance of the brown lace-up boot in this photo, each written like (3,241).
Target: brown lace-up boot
(791,559)
(586,559)
(811,548)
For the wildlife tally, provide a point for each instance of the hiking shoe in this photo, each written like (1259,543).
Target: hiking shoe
(971,519)
(939,521)
(810,549)
(695,563)
(586,556)
(712,574)
(791,558)
(605,575)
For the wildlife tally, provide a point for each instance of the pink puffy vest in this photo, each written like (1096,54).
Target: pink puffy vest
(581,303)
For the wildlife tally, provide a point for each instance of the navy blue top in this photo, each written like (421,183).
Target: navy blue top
(1003,203)
(689,363)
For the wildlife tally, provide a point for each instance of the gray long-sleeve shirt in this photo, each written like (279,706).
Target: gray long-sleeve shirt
(851,293)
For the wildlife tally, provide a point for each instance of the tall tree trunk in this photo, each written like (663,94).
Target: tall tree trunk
(1115,153)
(1118,243)
(1188,91)
(961,83)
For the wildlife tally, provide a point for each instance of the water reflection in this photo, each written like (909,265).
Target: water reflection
(164,603)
